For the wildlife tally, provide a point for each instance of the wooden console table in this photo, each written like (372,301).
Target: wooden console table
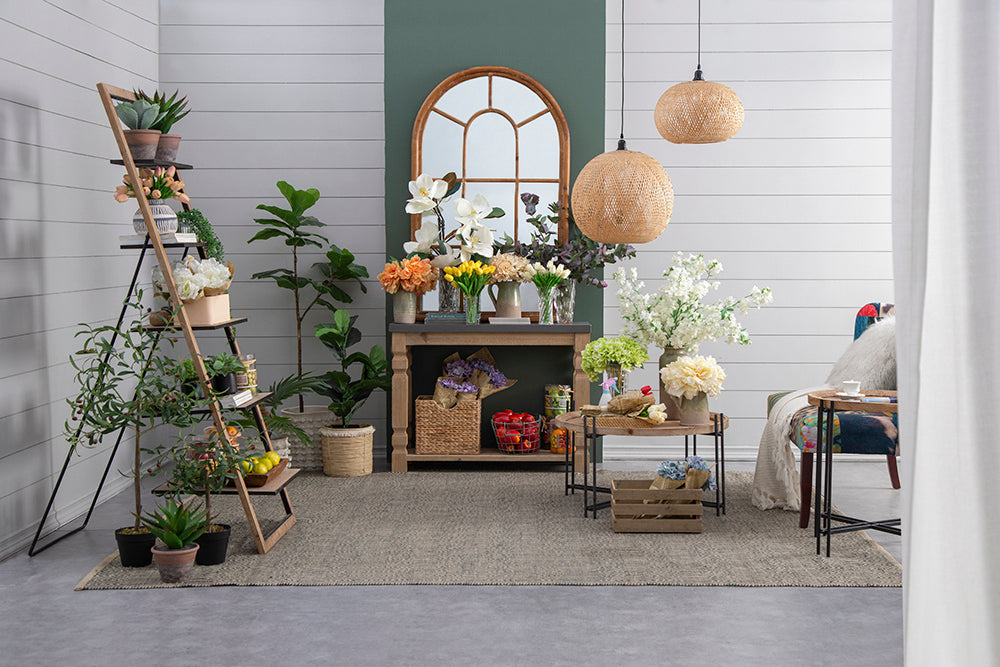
(407,336)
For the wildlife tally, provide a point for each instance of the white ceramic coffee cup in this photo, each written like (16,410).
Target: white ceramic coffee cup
(852,387)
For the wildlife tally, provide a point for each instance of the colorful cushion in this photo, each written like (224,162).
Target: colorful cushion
(853,432)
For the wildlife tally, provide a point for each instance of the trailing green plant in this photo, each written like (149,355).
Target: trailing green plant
(175,524)
(139,115)
(125,383)
(292,225)
(346,393)
(171,109)
(206,233)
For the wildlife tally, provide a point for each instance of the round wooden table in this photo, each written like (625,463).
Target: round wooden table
(828,401)
(593,427)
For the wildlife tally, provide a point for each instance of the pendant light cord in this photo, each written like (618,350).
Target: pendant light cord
(697,71)
(621,135)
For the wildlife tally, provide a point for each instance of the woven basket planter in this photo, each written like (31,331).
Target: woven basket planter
(311,421)
(452,431)
(347,452)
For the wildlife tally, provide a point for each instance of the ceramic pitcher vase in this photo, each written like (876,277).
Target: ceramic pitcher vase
(694,411)
(506,298)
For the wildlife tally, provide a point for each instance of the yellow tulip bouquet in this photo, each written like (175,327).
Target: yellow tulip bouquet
(470,277)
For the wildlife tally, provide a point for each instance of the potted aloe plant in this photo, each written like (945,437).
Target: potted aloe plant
(177,526)
(124,384)
(139,117)
(348,392)
(293,226)
(171,111)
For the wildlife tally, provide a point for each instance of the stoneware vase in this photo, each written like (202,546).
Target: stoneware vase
(694,411)
(174,564)
(565,301)
(163,216)
(404,307)
(545,305)
(506,298)
(670,355)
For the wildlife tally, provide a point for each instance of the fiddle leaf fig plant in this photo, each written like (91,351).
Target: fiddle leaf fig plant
(345,392)
(292,225)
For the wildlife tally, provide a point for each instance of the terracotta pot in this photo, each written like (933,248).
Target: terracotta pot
(142,143)
(166,147)
(174,564)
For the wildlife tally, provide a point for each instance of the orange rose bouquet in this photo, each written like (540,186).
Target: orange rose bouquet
(410,275)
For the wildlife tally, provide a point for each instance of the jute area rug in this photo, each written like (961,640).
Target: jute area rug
(510,528)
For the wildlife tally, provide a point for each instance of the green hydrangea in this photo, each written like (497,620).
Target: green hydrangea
(603,352)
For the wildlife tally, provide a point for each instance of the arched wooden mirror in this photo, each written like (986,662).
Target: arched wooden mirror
(503,134)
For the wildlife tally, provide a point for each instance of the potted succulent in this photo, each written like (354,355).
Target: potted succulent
(139,116)
(204,467)
(292,225)
(171,111)
(222,370)
(124,383)
(177,526)
(348,440)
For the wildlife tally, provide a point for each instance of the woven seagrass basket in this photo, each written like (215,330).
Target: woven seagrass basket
(347,452)
(311,420)
(452,431)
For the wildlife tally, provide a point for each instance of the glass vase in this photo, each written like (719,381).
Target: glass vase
(545,305)
(472,309)
(449,297)
(565,300)
(620,376)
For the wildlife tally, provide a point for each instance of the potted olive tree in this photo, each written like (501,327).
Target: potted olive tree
(125,384)
(294,227)
(347,446)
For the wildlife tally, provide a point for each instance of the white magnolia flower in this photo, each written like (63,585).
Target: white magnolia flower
(451,258)
(425,238)
(471,212)
(477,239)
(426,194)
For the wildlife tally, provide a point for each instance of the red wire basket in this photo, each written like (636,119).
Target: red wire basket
(518,437)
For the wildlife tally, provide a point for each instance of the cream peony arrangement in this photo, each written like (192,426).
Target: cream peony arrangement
(510,268)
(193,277)
(688,376)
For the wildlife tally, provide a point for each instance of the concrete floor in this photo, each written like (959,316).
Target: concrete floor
(45,622)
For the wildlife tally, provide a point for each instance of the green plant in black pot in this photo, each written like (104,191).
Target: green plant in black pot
(123,383)
(197,221)
(294,228)
(222,370)
(346,392)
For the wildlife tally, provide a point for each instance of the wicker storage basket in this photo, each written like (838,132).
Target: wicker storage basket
(311,420)
(347,452)
(454,431)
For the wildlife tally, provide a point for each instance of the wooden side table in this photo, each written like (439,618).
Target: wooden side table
(829,401)
(592,428)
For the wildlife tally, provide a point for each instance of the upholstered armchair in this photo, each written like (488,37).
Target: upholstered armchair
(792,422)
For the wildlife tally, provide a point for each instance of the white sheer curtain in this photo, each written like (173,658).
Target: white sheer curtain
(946,243)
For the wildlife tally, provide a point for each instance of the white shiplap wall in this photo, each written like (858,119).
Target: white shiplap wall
(290,94)
(59,257)
(798,200)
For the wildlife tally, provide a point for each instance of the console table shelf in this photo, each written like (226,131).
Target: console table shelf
(407,336)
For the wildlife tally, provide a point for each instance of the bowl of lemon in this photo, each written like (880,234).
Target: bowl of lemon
(259,470)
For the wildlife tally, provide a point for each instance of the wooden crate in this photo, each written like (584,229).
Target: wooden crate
(453,431)
(669,510)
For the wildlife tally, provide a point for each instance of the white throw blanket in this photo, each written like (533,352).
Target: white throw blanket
(776,479)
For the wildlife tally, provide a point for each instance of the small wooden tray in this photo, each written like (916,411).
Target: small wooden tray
(255,479)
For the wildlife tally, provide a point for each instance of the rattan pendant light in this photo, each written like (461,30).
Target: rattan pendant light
(622,196)
(698,111)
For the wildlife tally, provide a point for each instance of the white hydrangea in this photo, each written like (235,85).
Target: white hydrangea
(192,276)
(674,316)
